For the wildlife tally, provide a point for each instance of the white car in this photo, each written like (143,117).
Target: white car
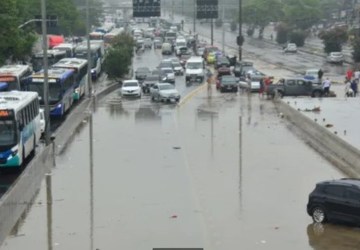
(169,74)
(164,92)
(290,48)
(178,68)
(335,57)
(130,88)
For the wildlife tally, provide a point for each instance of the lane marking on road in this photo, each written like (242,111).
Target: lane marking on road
(191,94)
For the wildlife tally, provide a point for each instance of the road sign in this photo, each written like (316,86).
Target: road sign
(206,9)
(146,8)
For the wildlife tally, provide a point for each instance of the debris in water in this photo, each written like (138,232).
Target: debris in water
(329,125)
(173,216)
(176,147)
(315,109)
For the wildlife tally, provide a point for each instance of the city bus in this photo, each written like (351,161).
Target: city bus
(69,48)
(97,53)
(80,69)
(14,77)
(19,127)
(61,89)
(37,60)
(109,37)
(96,35)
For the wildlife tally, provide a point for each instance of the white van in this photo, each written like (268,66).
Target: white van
(166,49)
(195,69)
(180,43)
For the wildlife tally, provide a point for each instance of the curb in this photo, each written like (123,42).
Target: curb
(334,149)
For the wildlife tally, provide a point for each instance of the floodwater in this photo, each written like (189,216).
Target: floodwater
(219,173)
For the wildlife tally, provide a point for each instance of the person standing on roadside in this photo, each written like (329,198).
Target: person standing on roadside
(354,86)
(320,75)
(326,87)
(349,74)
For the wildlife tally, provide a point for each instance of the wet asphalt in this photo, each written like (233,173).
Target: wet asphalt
(222,171)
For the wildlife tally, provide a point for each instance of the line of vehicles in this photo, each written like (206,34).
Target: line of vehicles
(22,92)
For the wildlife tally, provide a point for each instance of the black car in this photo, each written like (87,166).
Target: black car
(335,200)
(150,81)
(242,67)
(141,73)
(222,61)
(228,83)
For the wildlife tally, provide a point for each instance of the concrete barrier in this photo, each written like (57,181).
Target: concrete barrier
(342,154)
(19,198)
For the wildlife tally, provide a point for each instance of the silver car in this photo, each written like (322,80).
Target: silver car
(335,57)
(164,92)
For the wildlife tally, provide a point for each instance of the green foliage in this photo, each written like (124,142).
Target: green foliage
(258,13)
(218,22)
(302,14)
(297,37)
(233,25)
(356,49)
(119,57)
(282,31)
(333,39)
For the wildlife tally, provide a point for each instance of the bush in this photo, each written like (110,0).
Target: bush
(233,26)
(218,22)
(297,37)
(356,49)
(333,39)
(282,31)
(250,31)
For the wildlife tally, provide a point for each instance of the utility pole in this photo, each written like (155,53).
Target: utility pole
(89,78)
(172,10)
(46,82)
(240,28)
(194,28)
(212,31)
(223,28)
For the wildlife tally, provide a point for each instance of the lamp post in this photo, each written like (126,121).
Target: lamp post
(240,28)
(89,79)
(45,62)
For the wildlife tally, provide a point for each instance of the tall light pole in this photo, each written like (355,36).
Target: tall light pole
(194,28)
(46,82)
(240,28)
(88,48)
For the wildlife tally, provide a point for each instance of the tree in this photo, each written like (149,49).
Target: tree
(302,14)
(356,49)
(119,57)
(297,37)
(282,31)
(258,13)
(333,39)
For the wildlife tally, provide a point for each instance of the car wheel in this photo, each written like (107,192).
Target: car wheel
(316,94)
(318,215)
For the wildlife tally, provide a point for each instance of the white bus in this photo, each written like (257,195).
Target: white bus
(69,48)
(80,68)
(97,53)
(95,35)
(37,60)
(109,37)
(14,77)
(19,127)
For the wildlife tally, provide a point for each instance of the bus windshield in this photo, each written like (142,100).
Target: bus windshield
(7,133)
(54,91)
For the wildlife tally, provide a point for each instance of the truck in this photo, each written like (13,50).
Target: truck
(294,87)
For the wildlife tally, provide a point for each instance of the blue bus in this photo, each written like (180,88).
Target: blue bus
(19,127)
(61,89)
(81,77)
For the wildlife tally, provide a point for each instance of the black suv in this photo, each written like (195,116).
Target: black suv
(336,200)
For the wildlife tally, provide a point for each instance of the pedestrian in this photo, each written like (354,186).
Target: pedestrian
(349,74)
(354,86)
(348,90)
(248,81)
(261,89)
(326,87)
(271,37)
(320,75)
(357,74)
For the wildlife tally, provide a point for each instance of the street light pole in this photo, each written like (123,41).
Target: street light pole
(194,23)
(240,28)
(45,62)
(89,79)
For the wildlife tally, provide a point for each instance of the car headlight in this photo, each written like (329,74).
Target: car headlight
(92,71)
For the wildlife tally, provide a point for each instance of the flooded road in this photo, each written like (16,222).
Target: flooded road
(161,176)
